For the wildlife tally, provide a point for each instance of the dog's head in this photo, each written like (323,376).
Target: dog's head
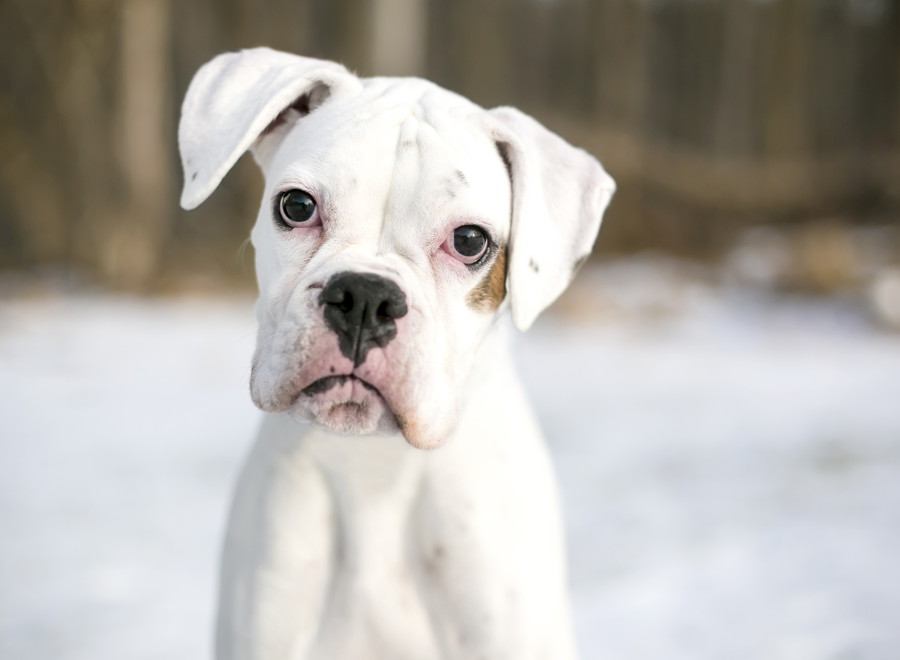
(398,220)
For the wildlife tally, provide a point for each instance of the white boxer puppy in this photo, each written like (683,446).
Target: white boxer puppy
(398,223)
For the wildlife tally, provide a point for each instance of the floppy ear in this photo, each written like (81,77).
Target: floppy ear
(559,194)
(232,100)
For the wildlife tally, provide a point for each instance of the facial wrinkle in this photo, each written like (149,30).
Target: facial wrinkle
(405,173)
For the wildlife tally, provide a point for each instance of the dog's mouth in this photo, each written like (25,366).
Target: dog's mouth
(345,403)
(328,382)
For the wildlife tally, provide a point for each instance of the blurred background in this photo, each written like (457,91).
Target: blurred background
(729,449)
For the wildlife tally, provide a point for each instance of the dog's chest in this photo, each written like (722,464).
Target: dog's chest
(377,601)
(380,613)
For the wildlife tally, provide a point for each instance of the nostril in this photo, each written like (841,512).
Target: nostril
(372,298)
(346,302)
(395,308)
(361,309)
(390,309)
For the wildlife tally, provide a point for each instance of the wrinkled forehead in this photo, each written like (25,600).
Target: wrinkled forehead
(405,145)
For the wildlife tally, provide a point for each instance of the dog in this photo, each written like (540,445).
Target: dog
(417,515)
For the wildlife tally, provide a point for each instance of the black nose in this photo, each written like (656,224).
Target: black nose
(361,309)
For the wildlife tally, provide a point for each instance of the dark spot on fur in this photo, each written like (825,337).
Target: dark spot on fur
(453,183)
(194,176)
(533,265)
(434,559)
(491,290)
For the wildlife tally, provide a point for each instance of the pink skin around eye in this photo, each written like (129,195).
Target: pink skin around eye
(449,247)
(314,221)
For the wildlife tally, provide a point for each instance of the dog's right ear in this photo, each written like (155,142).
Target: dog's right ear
(235,98)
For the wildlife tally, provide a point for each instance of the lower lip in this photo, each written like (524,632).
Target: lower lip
(344,403)
(333,392)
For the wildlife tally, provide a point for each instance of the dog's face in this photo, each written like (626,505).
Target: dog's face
(381,250)
(395,220)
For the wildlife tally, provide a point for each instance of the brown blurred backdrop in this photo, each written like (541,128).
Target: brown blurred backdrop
(714,116)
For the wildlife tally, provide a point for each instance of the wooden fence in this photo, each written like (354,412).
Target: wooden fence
(712,114)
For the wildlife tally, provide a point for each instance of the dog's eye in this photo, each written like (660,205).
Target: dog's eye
(468,243)
(297,208)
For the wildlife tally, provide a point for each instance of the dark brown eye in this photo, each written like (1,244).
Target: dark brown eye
(467,243)
(297,208)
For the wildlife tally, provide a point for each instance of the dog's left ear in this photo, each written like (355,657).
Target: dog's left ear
(235,97)
(559,194)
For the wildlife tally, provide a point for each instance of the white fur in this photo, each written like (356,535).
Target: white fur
(345,541)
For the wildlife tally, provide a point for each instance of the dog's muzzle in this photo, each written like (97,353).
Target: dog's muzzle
(362,309)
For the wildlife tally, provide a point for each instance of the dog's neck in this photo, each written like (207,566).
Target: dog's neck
(375,480)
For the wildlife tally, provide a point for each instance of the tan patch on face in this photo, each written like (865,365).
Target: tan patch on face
(491,290)
(412,431)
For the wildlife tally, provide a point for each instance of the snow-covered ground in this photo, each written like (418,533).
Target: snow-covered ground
(730,465)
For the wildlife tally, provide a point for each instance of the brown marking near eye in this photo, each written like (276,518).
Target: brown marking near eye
(491,290)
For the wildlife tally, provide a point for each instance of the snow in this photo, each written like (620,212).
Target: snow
(730,465)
